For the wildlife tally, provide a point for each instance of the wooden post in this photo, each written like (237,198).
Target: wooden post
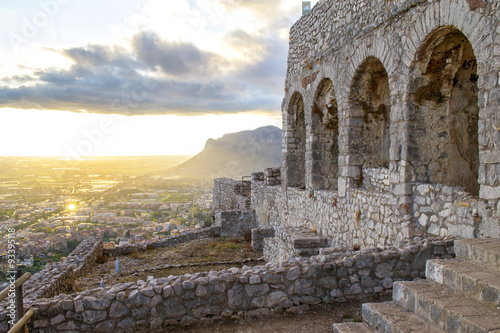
(19,298)
(22,323)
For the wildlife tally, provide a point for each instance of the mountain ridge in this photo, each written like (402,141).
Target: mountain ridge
(235,154)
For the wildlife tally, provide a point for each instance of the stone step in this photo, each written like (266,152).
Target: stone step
(441,306)
(391,317)
(352,328)
(475,281)
(480,251)
(308,242)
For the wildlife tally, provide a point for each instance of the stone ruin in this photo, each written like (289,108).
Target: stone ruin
(390,126)
(390,152)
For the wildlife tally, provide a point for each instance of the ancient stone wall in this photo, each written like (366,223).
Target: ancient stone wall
(366,218)
(230,194)
(413,86)
(398,100)
(376,179)
(445,210)
(57,278)
(231,205)
(247,292)
(370,218)
(236,223)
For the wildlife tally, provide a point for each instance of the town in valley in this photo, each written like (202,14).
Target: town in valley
(55,203)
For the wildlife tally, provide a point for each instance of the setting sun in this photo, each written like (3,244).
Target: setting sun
(71,206)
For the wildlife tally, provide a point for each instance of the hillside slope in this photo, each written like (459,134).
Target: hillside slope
(235,155)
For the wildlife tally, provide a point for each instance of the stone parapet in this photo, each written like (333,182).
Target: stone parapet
(230,194)
(272,177)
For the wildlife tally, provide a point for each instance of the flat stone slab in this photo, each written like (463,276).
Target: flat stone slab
(445,308)
(352,328)
(480,251)
(391,317)
(475,281)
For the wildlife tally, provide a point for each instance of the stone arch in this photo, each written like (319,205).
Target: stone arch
(443,111)
(323,149)
(370,103)
(295,142)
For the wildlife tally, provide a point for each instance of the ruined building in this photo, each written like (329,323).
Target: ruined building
(390,123)
(390,153)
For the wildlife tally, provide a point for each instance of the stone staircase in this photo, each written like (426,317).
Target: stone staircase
(459,295)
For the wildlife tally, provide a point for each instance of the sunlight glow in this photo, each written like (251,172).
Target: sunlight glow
(68,134)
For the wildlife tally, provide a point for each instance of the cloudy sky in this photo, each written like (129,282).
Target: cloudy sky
(138,77)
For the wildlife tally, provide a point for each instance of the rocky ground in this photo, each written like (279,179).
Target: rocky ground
(317,319)
(196,256)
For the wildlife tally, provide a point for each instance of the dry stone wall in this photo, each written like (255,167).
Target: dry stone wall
(365,218)
(237,292)
(57,278)
(166,242)
(236,223)
(230,194)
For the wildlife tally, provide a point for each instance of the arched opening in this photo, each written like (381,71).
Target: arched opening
(370,101)
(295,140)
(325,131)
(444,112)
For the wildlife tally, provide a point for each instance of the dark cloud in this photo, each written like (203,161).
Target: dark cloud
(178,59)
(186,80)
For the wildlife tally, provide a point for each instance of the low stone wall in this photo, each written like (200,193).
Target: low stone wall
(166,242)
(230,194)
(365,217)
(235,223)
(235,292)
(57,278)
(368,218)
(376,179)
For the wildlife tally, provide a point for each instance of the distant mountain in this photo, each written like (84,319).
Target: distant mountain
(235,155)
